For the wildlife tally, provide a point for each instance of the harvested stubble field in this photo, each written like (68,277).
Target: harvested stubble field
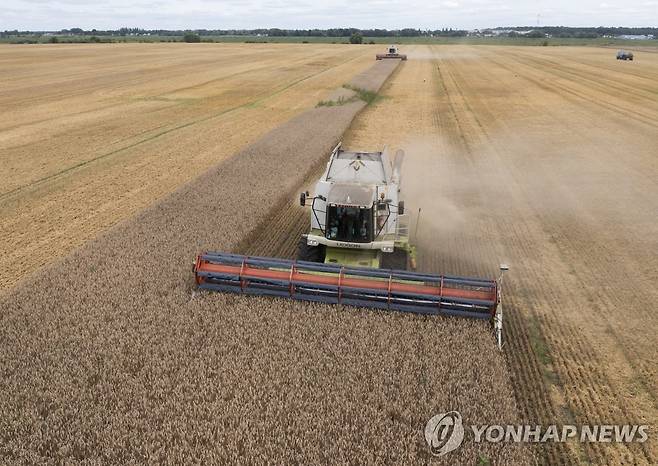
(90,134)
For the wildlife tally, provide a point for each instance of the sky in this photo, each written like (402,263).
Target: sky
(304,14)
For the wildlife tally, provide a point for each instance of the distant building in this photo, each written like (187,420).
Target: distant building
(636,36)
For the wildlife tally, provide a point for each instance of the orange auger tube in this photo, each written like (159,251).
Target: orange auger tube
(335,284)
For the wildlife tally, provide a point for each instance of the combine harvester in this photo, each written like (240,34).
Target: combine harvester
(356,253)
(391,53)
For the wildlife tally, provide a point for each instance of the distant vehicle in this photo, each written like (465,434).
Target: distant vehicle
(392,52)
(624,55)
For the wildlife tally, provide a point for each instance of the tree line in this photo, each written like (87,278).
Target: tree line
(537,31)
(273,32)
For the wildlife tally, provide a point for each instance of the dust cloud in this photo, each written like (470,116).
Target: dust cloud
(455,197)
(439,187)
(468,196)
(425,177)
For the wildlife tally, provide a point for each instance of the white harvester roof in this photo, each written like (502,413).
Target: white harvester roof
(365,168)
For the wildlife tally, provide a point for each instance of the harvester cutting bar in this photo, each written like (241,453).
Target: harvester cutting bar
(384,289)
(383,56)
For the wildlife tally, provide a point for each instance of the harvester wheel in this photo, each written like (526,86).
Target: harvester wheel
(396,260)
(309,253)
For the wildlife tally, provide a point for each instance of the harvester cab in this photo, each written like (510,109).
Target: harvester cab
(356,253)
(357,217)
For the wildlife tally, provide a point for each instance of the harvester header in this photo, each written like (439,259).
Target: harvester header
(415,292)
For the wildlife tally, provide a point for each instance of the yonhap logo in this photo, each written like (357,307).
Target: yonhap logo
(444,433)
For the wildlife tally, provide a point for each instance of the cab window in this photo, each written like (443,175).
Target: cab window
(349,223)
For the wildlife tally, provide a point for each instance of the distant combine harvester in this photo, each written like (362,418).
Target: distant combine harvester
(391,53)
